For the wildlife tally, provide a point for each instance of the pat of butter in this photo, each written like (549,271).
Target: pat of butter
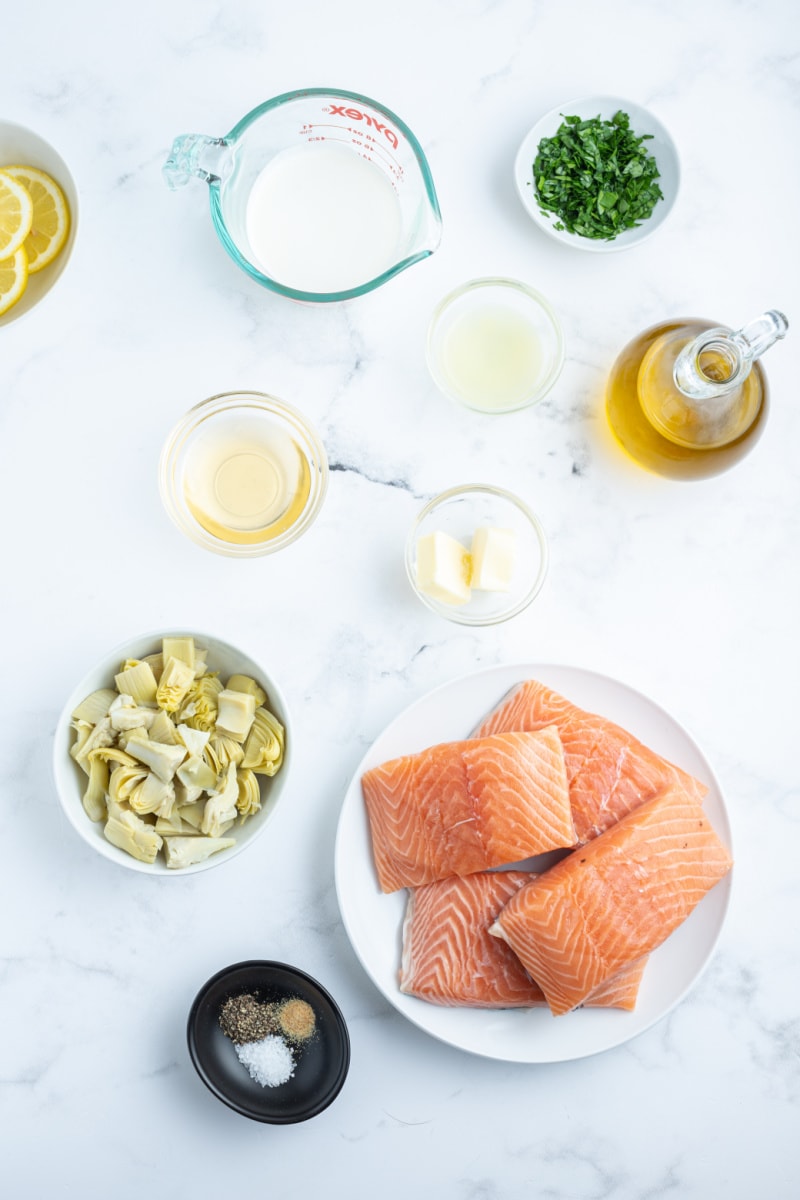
(444,567)
(493,555)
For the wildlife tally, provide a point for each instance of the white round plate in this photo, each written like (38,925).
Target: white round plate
(661,146)
(373,921)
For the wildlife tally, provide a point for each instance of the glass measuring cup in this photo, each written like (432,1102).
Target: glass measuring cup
(327,182)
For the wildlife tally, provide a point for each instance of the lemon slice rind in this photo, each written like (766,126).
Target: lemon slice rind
(16,215)
(13,278)
(50,216)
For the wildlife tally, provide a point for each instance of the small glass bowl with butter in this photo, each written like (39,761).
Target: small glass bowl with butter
(495,345)
(243,474)
(477,555)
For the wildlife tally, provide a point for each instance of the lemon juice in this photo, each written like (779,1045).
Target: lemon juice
(491,357)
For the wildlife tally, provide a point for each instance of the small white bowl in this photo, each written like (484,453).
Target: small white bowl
(660,146)
(459,512)
(22,147)
(70,780)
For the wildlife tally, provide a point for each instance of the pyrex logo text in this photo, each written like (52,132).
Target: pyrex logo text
(355,114)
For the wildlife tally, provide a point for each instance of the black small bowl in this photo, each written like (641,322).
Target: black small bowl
(322,1063)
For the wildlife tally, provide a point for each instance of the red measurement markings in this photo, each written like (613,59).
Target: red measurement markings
(362,142)
(355,114)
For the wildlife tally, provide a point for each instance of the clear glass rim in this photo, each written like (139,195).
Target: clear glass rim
(505,283)
(190,422)
(349,293)
(453,613)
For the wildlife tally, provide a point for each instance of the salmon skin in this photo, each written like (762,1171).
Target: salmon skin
(466,806)
(450,958)
(615,899)
(610,772)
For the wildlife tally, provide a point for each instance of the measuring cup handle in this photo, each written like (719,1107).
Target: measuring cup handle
(184,159)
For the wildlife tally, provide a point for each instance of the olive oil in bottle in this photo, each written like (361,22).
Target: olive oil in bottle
(687,399)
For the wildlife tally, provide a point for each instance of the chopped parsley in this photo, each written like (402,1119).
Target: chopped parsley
(597,176)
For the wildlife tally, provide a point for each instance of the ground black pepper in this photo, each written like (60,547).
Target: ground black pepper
(243,1019)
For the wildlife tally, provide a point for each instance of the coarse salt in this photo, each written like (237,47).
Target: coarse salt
(269,1061)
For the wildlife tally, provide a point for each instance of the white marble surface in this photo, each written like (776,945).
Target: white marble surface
(687,592)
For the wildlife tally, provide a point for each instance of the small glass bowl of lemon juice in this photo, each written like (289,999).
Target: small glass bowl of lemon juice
(243,474)
(495,345)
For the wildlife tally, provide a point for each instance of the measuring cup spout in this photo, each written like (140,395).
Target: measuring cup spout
(429,234)
(194,154)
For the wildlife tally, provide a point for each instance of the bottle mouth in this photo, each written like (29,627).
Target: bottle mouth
(718,362)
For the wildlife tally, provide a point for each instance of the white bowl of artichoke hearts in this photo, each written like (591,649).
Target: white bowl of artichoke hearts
(171,754)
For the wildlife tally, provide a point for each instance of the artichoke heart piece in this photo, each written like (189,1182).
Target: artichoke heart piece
(223,750)
(94,798)
(186,795)
(200,666)
(163,760)
(100,760)
(176,679)
(173,825)
(83,731)
(114,754)
(137,679)
(156,662)
(221,805)
(163,730)
(199,709)
(125,713)
(244,683)
(195,772)
(153,795)
(186,851)
(263,750)
(248,800)
(130,833)
(195,740)
(182,648)
(123,781)
(100,736)
(235,713)
(95,706)
(192,814)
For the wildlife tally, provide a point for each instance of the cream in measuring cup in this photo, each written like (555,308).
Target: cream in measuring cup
(319,195)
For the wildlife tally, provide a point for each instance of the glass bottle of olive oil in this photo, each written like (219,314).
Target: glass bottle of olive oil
(687,399)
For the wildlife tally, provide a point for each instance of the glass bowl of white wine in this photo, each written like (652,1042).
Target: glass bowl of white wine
(495,345)
(243,474)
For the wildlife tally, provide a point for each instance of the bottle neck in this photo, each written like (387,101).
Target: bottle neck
(718,361)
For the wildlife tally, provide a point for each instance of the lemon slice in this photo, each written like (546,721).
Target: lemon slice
(16,215)
(13,278)
(50,224)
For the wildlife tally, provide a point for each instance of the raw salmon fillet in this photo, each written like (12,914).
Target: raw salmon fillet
(465,806)
(615,899)
(610,772)
(450,958)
